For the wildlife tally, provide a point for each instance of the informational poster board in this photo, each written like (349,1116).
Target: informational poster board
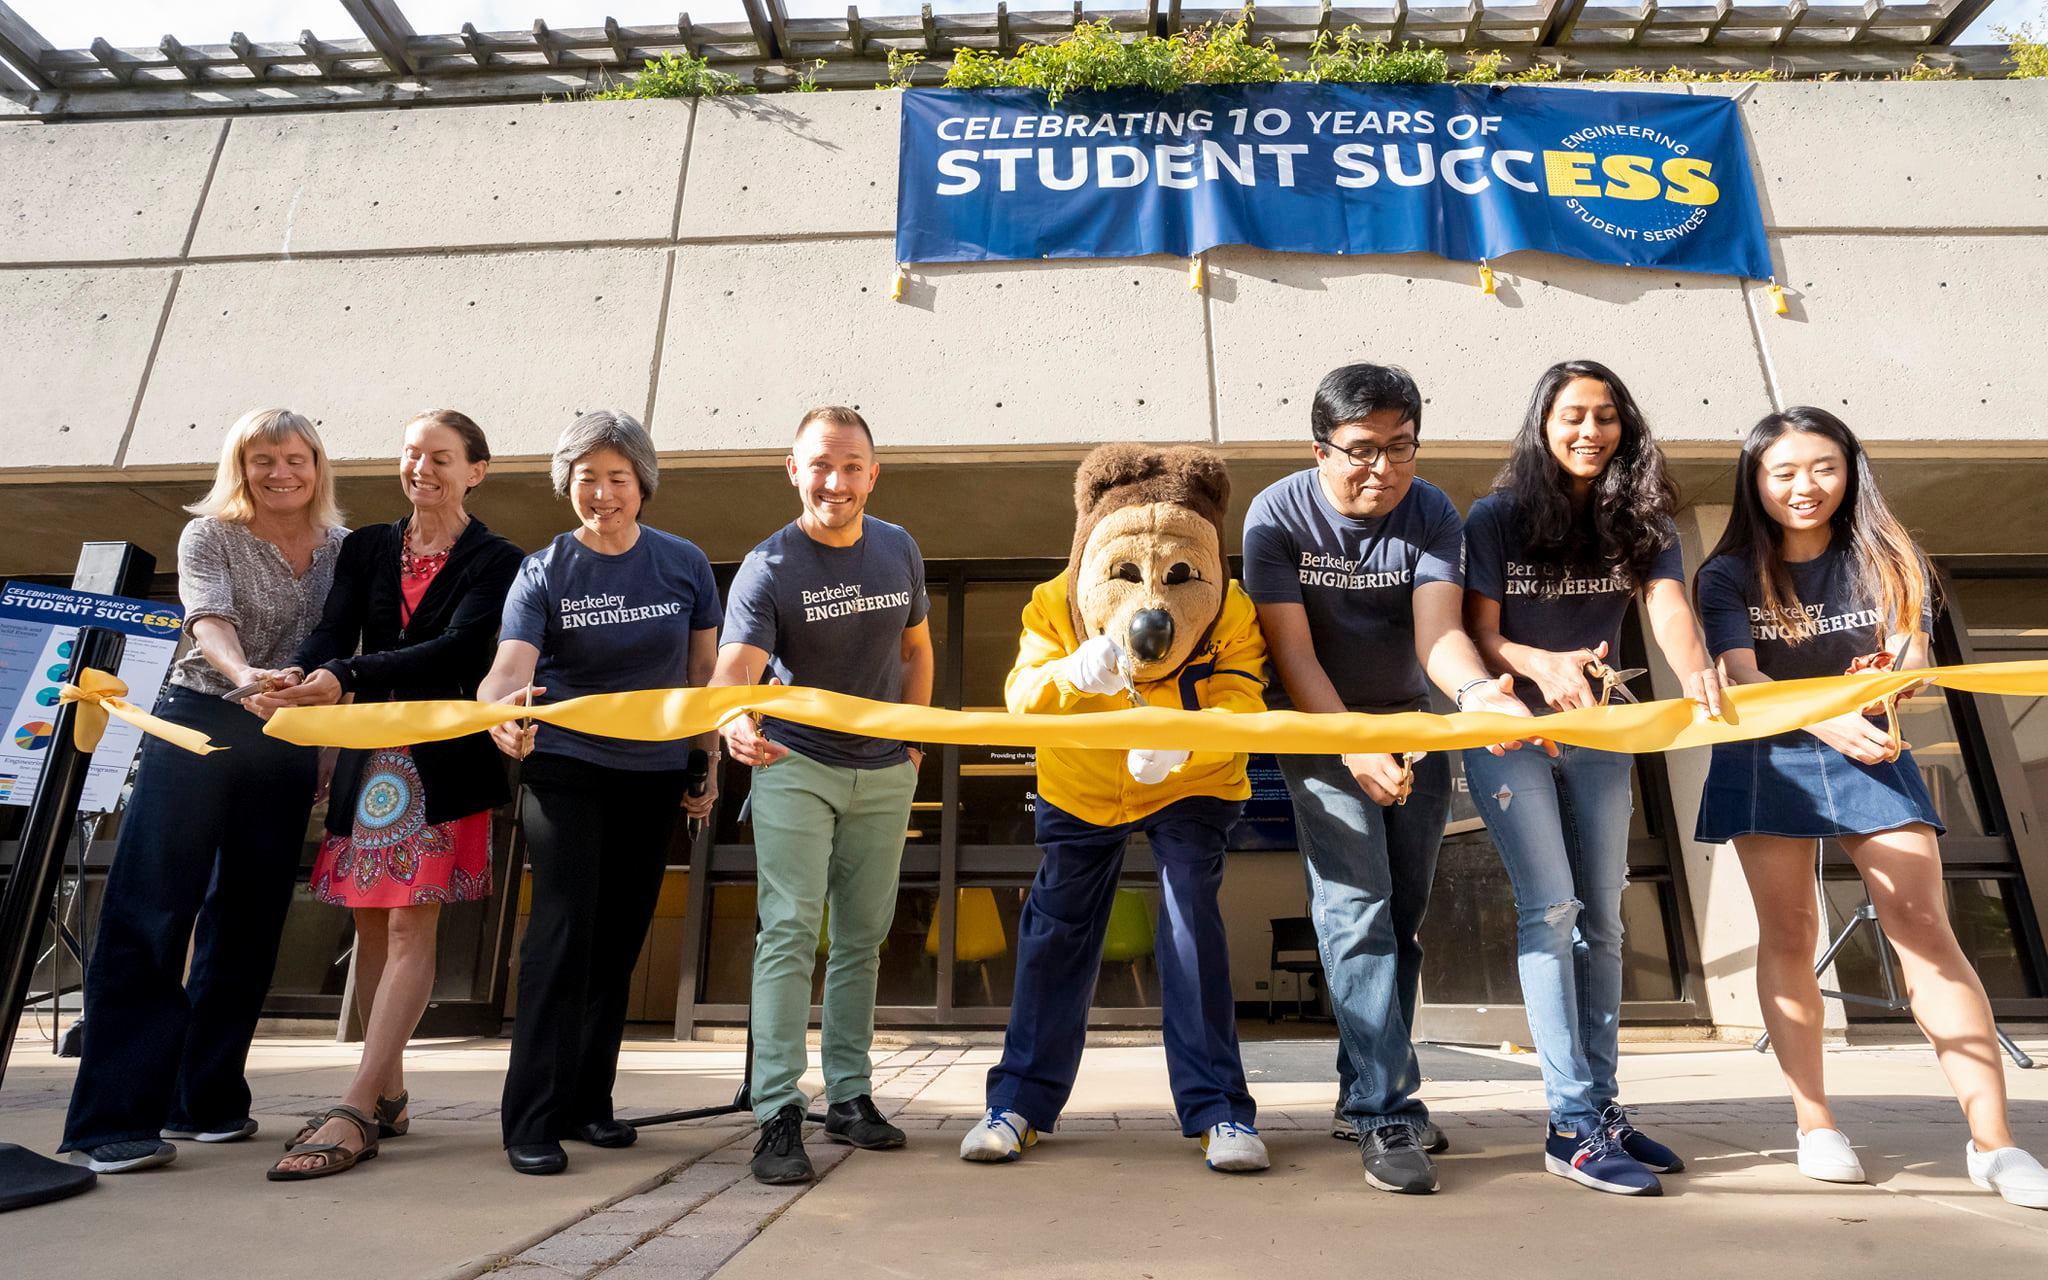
(38,629)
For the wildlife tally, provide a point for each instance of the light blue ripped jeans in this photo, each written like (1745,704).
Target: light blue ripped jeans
(1562,830)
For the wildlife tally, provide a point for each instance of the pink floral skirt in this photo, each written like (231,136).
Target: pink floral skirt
(392,856)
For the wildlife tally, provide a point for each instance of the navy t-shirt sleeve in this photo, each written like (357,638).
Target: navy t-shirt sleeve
(1486,551)
(1724,609)
(526,604)
(750,606)
(920,601)
(1670,561)
(704,610)
(1443,544)
(1270,575)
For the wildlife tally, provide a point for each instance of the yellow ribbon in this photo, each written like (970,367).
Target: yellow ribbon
(659,715)
(99,694)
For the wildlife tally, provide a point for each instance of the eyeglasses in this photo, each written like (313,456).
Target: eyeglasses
(1369,455)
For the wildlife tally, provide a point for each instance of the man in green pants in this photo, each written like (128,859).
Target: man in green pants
(833,600)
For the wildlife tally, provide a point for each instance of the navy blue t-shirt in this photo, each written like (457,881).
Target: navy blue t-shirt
(1572,612)
(1842,621)
(831,618)
(610,623)
(1356,578)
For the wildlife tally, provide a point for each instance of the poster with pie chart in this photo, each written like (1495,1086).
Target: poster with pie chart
(38,632)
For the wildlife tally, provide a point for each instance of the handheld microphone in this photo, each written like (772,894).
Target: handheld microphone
(696,778)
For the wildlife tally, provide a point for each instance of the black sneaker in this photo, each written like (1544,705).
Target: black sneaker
(779,1155)
(1394,1161)
(856,1123)
(126,1157)
(1433,1139)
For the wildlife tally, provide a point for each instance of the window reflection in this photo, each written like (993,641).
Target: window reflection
(908,974)
(1980,911)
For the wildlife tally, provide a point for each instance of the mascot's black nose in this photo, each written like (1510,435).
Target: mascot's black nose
(1151,634)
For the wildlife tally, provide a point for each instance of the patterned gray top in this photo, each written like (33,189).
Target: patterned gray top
(227,572)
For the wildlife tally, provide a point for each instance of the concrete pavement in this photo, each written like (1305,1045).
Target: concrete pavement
(1117,1192)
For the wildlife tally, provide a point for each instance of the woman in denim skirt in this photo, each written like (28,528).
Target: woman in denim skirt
(1815,577)
(1577,526)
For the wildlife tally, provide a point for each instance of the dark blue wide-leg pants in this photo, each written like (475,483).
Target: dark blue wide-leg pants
(1059,954)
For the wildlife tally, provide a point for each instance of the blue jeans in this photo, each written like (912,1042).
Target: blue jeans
(1562,830)
(211,841)
(1369,873)
(1059,954)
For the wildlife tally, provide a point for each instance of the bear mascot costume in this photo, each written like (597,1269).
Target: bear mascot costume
(1145,613)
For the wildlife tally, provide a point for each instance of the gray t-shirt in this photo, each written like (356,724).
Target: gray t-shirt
(1576,611)
(1841,619)
(831,618)
(609,623)
(227,572)
(1356,579)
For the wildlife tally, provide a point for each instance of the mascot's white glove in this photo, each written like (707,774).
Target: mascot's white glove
(1151,767)
(1095,667)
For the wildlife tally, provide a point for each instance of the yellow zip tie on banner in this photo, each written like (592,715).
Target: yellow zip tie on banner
(1195,273)
(1485,277)
(99,695)
(896,285)
(1778,304)
(663,715)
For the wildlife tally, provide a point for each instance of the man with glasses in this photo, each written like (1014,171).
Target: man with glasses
(1357,569)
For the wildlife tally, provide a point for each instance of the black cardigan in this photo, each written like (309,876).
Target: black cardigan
(444,652)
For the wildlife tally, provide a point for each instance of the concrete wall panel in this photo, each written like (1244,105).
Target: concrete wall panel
(1281,321)
(1913,338)
(1928,154)
(102,192)
(793,164)
(78,343)
(974,357)
(547,173)
(521,342)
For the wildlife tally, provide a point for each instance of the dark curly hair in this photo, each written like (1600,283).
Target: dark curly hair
(1628,519)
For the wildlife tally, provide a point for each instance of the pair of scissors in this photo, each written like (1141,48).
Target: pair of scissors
(1408,759)
(1613,684)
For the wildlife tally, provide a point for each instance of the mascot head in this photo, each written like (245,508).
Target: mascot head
(1147,567)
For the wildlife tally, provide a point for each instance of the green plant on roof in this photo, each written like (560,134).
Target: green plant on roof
(2027,53)
(674,75)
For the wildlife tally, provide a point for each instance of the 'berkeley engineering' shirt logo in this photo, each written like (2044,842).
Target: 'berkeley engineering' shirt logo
(1817,623)
(610,610)
(1318,570)
(824,603)
(1523,580)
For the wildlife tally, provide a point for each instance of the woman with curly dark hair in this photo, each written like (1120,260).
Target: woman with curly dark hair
(1578,525)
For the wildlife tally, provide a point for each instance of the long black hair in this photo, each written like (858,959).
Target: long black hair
(1889,571)
(1625,522)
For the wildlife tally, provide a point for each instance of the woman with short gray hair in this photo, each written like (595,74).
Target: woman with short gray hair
(608,607)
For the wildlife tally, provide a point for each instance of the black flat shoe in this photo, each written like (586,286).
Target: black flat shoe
(857,1123)
(607,1133)
(537,1157)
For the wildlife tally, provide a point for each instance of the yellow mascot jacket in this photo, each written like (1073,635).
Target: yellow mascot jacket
(1226,674)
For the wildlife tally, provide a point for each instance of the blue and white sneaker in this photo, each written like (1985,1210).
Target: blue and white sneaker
(1597,1161)
(1641,1147)
(1002,1135)
(1234,1148)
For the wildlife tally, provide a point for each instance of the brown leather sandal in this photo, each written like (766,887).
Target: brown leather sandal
(334,1157)
(392,1122)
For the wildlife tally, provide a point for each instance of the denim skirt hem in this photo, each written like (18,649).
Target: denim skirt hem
(1796,786)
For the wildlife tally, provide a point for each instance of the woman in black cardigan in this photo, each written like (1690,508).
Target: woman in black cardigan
(408,829)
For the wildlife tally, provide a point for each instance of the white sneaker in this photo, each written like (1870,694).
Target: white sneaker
(1825,1155)
(1002,1135)
(2010,1172)
(1234,1148)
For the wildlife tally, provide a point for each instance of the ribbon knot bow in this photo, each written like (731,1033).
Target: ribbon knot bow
(99,695)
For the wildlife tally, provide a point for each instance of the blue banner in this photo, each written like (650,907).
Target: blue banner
(1465,172)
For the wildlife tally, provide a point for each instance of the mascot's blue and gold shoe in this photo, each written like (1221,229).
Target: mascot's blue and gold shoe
(1234,1148)
(1001,1136)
